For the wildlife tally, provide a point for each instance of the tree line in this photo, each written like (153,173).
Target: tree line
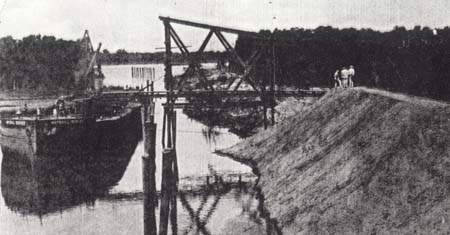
(45,64)
(415,61)
(38,63)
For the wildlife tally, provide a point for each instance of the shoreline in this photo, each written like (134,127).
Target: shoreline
(273,223)
(356,162)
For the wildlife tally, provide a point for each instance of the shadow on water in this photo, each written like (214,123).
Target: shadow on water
(66,173)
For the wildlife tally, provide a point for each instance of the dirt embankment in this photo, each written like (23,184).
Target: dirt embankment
(358,161)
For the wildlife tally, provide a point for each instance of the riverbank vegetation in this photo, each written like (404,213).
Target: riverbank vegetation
(415,61)
(38,64)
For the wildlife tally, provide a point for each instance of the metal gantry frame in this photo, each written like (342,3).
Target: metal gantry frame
(247,66)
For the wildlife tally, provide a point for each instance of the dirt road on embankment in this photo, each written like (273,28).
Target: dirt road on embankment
(357,161)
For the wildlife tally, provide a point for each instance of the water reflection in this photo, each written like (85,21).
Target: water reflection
(210,134)
(65,173)
(198,222)
(222,205)
(239,120)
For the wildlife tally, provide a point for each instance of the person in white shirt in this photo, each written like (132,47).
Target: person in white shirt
(344,77)
(351,75)
(337,80)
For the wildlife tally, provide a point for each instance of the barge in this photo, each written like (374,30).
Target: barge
(50,164)
(36,134)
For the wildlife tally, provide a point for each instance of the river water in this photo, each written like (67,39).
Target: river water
(75,203)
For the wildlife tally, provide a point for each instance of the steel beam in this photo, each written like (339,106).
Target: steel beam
(211,27)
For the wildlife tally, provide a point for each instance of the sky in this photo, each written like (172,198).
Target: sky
(133,25)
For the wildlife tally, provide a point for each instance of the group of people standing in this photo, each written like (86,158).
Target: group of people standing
(344,77)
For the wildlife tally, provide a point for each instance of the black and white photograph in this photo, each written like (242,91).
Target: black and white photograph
(214,117)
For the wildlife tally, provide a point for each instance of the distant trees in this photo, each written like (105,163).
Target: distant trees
(46,64)
(40,63)
(415,61)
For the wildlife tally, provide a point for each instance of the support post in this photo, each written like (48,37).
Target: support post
(174,175)
(163,142)
(148,176)
(169,126)
(174,142)
(173,203)
(151,112)
(166,189)
(168,60)
(149,195)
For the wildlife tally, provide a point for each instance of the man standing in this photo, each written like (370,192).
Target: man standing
(351,74)
(344,77)
(337,80)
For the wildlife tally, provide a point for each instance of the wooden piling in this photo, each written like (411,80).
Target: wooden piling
(169,126)
(163,142)
(144,115)
(174,176)
(151,112)
(148,130)
(174,142)
(173,207)
(149,196)
(174,127)
(148,173)
(166,190)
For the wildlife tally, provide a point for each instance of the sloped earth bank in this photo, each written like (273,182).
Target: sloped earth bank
(357,161)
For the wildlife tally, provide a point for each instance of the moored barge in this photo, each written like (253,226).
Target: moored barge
(37,133)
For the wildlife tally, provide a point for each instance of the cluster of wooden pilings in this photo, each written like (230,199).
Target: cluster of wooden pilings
(169,181)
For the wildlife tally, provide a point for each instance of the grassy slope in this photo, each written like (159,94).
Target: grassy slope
(357,162)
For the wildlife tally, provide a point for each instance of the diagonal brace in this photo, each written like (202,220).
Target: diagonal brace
(178,41)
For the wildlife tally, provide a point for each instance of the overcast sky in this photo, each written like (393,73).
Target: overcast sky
(134,24)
